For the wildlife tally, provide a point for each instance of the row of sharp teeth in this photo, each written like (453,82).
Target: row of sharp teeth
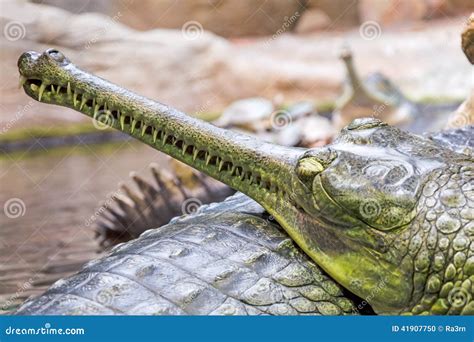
(42,88)
(156,134)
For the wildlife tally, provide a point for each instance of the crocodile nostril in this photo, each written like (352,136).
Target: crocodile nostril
(55,55)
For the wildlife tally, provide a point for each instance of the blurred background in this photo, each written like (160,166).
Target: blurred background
(240,63)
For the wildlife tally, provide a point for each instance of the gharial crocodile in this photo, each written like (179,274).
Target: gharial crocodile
(375,96)
(388,215)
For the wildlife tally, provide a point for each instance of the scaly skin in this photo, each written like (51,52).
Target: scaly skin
(225,259)
(385,213)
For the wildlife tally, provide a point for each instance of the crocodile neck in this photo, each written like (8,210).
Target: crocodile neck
(356,85)
(437,245)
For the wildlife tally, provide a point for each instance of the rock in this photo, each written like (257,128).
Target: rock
(315,128)
(312,20)
(204,75)
(289,136)
(467,39)
(301,109)
(389,12)
(393,12)
(341,13)
(227,18)
(246,113)
(464,115)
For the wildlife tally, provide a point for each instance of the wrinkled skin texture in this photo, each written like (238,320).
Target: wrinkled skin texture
(241,264)
(385,213)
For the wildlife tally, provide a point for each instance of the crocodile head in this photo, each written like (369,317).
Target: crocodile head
(361,203)
(345,205)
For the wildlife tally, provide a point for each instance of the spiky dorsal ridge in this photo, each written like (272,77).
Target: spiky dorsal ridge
(152,203)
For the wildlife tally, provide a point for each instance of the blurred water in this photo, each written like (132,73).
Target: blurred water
(47,202)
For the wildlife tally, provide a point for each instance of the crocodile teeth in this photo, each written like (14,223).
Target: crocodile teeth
(184,149)
(96,109)
(195,154)
(208,158)
(58,89)
(165,137)
(232,169)
(52,88)
(155,134)
(122,122)
(22,81)
(144,129)
(33,87)
(69,92)
(83,102)
(74,99)
(41,91)
(134,123)
(221,164)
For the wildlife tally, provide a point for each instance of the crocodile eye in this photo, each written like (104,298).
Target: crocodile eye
(57,56)
(313,162)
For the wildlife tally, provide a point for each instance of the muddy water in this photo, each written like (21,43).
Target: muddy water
(47,200)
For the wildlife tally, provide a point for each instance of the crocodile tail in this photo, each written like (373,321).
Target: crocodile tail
(152,203)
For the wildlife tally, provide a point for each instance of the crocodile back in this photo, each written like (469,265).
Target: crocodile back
(225,259)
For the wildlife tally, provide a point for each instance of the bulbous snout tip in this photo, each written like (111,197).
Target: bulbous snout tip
(27,58)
